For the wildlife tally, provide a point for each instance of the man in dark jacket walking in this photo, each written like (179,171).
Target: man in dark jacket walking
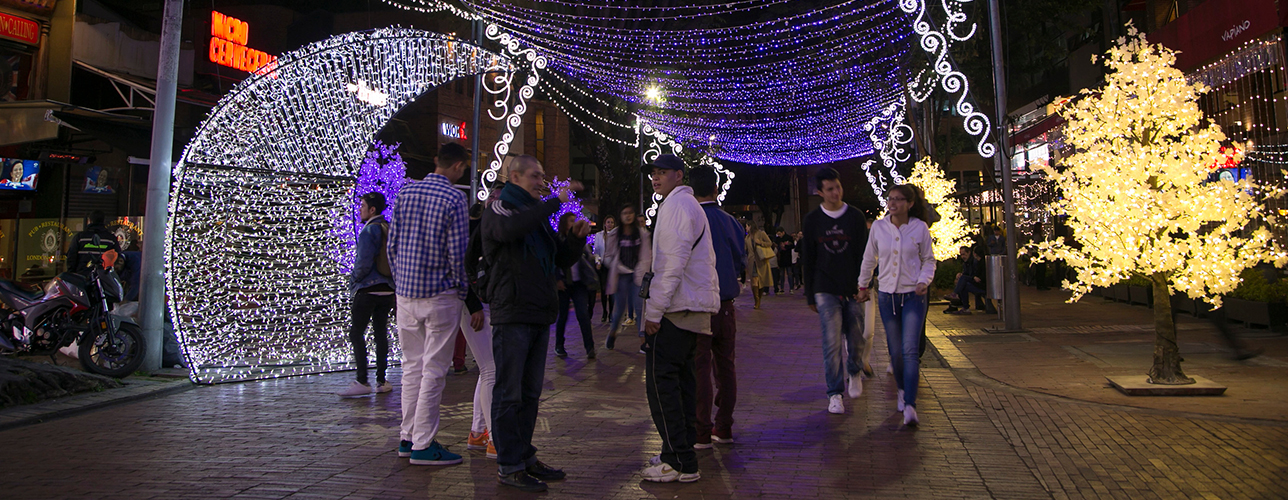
(522,253)
(91,243)
(715,359)
(832,253)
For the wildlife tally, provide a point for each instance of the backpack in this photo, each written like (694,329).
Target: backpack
(382,256)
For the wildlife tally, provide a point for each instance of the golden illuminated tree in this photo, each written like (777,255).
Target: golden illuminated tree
(951,232)
(1138,199)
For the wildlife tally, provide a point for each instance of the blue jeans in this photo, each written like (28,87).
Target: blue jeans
(841,319)
(904,317)
(630,292)
(520,353)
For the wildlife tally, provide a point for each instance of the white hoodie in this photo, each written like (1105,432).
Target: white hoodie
(904,253)
(684,275)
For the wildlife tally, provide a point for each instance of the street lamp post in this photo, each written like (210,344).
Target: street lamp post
(152,292)
(1011,292)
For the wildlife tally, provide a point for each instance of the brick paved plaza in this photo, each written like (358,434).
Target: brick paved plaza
(1003,416)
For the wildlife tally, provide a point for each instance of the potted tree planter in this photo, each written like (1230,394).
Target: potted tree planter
(1253,312)
(1142,295)
(1119,292)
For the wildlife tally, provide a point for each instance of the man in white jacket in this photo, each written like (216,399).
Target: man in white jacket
(682,296)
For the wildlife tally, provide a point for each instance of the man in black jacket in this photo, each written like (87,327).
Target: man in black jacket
(831,254)
(522,253)
(91,243)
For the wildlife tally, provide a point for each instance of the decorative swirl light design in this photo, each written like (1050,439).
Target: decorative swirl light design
(532,63)
(254,288)
(891,136)
(936,44)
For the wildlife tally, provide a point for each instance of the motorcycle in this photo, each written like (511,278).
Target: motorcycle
(73,308)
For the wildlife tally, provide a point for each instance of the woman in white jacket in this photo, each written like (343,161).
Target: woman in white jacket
(628,254)
(901,243)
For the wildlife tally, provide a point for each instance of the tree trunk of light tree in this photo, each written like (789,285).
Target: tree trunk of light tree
(1167,355)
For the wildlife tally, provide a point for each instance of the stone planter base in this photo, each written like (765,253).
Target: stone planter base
(1138,385)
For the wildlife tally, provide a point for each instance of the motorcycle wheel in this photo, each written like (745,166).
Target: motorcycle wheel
(114,357)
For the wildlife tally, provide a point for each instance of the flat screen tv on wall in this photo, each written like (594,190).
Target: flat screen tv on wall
(19,175)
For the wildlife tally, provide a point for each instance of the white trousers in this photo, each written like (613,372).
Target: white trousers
(480,343)
(426,332)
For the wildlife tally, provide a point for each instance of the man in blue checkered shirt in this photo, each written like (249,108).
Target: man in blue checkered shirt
(427,240)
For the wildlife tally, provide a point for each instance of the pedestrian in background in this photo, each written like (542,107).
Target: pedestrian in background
(783,246)
(761,250)
(523,252)
(427,241)
(901,243)
(833,253)
(477,332)
(681,297)
(628,254)
(372,286)
(577,286)
(600,244)
(715,363)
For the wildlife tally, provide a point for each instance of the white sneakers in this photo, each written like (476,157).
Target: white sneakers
(664,473)
(854,386)
(910,416)
(355,389)
(899,400)
(834,405)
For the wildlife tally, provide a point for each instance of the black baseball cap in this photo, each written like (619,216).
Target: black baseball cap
(667,162)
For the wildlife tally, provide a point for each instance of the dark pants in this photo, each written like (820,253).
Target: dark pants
(579,296)
(966,285)
(778,279)
(520,354)
(715,364)
(671,386)
(374,310)
(605,298)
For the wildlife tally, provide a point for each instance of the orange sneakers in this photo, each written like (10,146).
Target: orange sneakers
(482,441)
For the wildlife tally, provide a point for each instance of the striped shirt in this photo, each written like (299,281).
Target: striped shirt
(427,239)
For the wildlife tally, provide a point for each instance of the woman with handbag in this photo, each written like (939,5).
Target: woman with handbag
(628,254)
(762,252)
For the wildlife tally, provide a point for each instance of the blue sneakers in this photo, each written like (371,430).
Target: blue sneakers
(436,454)
(404,449)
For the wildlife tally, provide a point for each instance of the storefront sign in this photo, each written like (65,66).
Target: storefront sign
(19,29)
(228,38)
(453,130)
(1216,27)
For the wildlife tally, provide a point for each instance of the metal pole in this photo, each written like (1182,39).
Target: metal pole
(478,105)
(1011,297)
(152,293)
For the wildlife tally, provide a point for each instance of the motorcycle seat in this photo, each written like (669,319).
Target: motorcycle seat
(29,292)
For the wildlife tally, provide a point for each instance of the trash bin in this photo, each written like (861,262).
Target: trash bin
(996,269)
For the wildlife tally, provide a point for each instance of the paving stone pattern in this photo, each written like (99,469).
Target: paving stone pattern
(292,438)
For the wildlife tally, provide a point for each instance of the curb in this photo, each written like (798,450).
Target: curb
(73,405)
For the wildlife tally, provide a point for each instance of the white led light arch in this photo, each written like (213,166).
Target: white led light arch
(254,288)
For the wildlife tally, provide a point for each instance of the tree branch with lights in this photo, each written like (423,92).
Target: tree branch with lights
(1139,198)
(951,232)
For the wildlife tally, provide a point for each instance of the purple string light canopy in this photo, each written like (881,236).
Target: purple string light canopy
(770,82)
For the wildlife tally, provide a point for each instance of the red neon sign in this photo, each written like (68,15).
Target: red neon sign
(228,36)
(20,29)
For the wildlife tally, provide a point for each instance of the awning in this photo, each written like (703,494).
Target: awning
(24,121)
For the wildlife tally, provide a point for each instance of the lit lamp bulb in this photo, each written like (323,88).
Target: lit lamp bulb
(653,93)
